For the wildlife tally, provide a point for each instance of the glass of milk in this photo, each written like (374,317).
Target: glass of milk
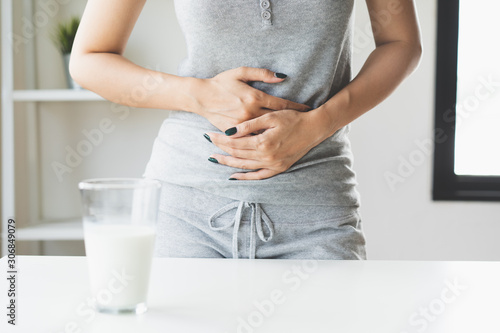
(119,216)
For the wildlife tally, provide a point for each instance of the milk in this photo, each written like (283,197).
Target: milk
(119,260)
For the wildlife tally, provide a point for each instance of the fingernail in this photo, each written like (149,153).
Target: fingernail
(213,160)
(280,75)
(232,179)
(230,131)
(207,137)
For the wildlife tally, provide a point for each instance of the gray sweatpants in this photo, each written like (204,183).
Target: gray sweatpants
(195,223)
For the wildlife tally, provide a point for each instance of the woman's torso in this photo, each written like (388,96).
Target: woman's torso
(310,41)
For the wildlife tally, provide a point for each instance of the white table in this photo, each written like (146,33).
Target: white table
(216,295)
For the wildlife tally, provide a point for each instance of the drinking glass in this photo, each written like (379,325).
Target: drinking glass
(119,217)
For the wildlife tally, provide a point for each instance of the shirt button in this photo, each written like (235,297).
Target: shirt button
(265,4)
(266,15)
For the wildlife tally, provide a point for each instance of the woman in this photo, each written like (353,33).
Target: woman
(266,96)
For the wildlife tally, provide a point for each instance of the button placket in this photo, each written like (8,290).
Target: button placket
(266,13)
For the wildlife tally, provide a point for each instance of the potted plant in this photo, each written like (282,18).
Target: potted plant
(63,38)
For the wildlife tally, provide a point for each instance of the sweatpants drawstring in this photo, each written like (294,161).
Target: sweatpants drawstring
(258,221)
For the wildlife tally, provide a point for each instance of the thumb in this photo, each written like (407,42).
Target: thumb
(247,74)
(248,127)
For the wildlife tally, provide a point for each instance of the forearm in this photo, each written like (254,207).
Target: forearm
(119,80)
(387,66)
(97,63)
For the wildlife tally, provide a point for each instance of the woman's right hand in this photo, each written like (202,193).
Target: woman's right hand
(227,100)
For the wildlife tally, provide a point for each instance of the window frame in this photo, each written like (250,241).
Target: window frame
(446,184)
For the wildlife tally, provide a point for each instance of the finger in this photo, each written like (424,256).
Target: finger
(243,142)
(248,74)
(276,103)
(242,163)
(240,153)
(249,126)
(254,175)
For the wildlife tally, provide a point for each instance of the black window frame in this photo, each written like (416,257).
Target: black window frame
(446,184)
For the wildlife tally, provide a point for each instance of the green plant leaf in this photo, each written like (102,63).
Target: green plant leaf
(64,34)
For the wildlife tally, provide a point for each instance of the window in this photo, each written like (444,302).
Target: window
(467,118)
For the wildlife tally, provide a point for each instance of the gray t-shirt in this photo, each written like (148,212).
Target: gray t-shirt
(310,41)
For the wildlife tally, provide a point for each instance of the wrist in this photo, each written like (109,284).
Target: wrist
(191,88)
(334,114)
(172,92)
(323,122)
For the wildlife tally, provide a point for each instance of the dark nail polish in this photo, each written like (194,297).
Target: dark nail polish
(232,179)
(213,160)
(280,75)
(207,137)
(230,131)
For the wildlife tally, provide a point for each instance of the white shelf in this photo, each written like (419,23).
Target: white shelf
(44,230)
(55,95)
(64,230)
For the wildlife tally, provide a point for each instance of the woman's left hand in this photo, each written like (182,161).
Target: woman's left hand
(285,136)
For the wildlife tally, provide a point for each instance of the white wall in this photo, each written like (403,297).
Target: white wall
(123,152)
(403,223)
(0,132)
